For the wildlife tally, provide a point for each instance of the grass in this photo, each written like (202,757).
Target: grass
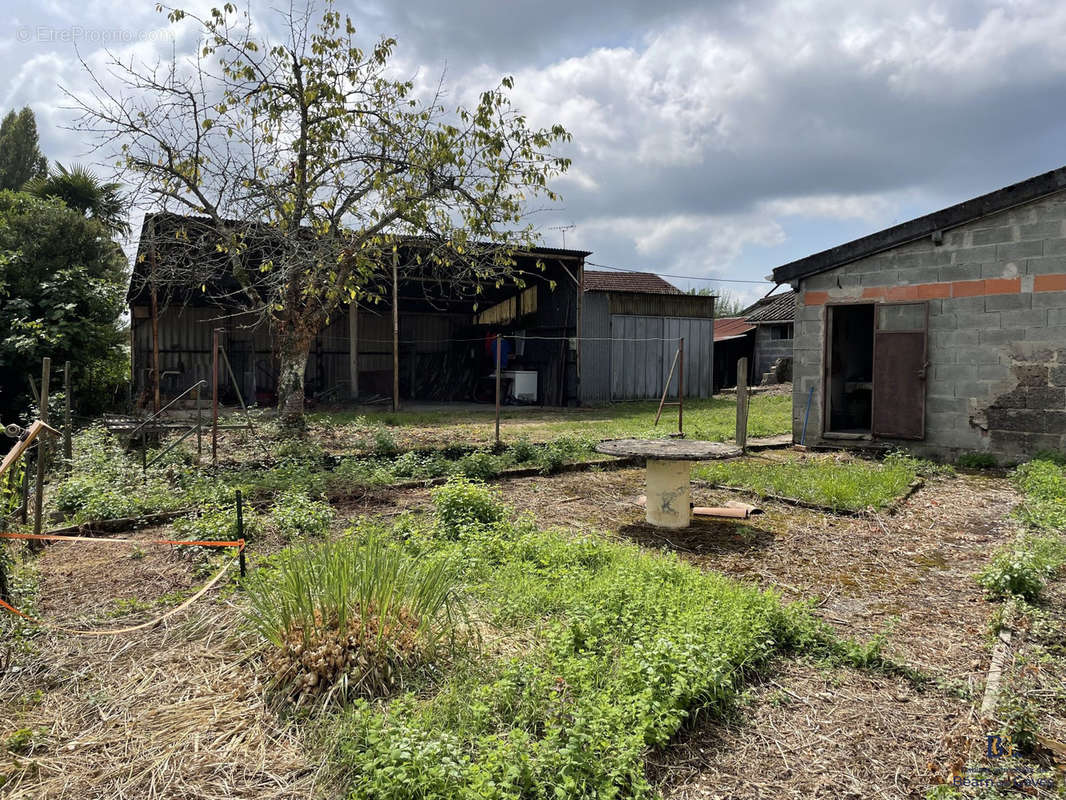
(595,652)
(1023,568)
(712,420)
(837,482)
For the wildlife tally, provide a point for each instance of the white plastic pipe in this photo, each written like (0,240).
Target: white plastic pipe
(669,493)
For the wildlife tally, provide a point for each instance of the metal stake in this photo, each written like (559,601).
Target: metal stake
(240,531)
(498,358)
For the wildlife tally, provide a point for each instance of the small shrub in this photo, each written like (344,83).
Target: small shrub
(480,465)
(295,513)
(523,450)
(462,503)
(348,618)
(385,443)
(298,450)
(976,461)
(1022,569)
(218,522)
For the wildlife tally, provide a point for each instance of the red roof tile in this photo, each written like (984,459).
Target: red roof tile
(597,281)
(730,327)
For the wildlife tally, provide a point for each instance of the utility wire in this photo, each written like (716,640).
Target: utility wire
(682,277)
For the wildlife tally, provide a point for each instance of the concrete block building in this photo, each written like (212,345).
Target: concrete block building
(946,333)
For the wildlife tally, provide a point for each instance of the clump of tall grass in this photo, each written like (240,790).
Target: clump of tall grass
(351,618)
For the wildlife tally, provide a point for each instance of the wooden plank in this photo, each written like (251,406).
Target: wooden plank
(23,444)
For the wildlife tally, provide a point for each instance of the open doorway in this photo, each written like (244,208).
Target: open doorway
(850,369)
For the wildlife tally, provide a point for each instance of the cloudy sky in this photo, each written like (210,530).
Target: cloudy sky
(710,138)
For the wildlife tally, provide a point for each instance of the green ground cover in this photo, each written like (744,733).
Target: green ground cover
(711,420)
(592,654)
(836,481)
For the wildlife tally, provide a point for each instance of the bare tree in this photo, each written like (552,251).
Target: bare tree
(305,166)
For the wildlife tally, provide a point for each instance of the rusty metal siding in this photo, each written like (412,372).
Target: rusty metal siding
(661,305)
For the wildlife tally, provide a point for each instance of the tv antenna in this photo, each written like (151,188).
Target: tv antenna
(564,229)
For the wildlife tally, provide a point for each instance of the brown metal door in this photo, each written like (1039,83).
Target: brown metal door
(900,363)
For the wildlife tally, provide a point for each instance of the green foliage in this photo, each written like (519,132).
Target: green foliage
(80,189)
(565,449)
(1023,568)
(104,483)
(22,740)
(62,289)
(20,156)
(1043,482)
(976,461)
(480,465)
(217,522)
(348,618)
(842,483)
(385,443)
(901,459)
(523,450)
(462,504)
(619,649)
(295,513)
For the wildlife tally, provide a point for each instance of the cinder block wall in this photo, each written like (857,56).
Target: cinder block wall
(996,289)
(768,350)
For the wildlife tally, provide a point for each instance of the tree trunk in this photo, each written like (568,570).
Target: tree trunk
(294,352)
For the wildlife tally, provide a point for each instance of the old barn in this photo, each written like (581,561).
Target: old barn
(572,335)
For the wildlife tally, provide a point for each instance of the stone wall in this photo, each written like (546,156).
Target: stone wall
(996,289)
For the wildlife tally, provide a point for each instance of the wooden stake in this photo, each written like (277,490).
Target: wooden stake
(681,387)
(498,358)
(67,447)
(742,404)
(42,450)
(199,427)
(353,351)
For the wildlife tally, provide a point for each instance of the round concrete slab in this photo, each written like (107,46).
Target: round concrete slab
(669,449)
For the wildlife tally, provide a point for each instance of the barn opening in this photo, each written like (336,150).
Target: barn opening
(850,369)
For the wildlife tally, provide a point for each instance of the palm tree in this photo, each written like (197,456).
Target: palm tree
(79,188)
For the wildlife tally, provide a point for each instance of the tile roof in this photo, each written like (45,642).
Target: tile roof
(648,282)
(731,328)
(775,308)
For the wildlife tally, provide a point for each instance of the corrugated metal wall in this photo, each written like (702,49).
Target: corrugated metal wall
(639,367)
(595,355)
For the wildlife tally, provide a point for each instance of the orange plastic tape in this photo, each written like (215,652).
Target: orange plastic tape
(42,537)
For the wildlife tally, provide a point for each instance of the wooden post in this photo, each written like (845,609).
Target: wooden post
(68,451)
(499,348)
(580,311)
(395,332)
(353,351)
(681,387)
(742,404)
(199,426)
(214,398)
(240,531)
(42,450)
(155,319)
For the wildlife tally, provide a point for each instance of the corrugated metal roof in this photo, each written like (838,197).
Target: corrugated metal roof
(731,328)
(646,282)
(775,308)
